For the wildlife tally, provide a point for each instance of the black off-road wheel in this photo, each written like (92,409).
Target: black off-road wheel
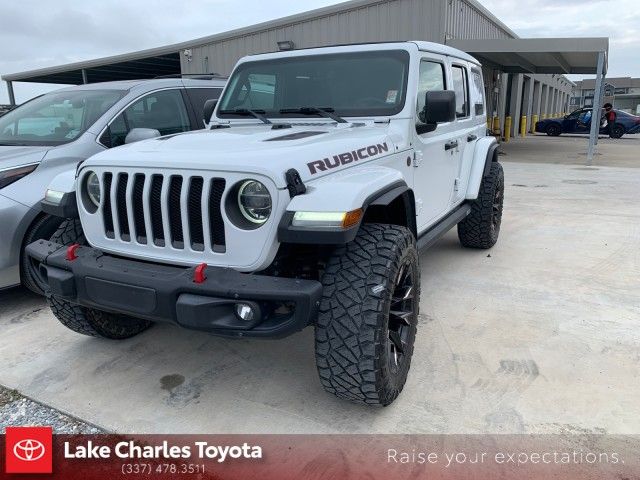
(368,315)
(88,321)
(554,130)
(481,228)
(42,228)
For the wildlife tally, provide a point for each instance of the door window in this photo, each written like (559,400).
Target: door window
(477,89)
(431,78)
(164,111)
(198,97)
(460,87)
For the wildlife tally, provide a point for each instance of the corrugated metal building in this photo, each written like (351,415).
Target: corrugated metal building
(358,21)
(355,21)
(362,21)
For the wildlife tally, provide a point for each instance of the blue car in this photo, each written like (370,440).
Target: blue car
(579,121)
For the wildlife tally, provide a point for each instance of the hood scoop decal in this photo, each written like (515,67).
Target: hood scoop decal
(294,136)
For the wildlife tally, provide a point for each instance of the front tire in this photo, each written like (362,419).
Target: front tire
(88,321)
(368,315)
(42,228)
(481,228)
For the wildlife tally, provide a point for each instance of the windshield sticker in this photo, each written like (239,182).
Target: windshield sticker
(347,157)
(392,96)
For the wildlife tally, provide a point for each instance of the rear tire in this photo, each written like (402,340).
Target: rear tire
(42,228)
(617,131)
(368,315)
(553,130)
(481,228)
(88,321)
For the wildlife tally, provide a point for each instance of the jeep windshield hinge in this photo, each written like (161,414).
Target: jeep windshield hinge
(295,184)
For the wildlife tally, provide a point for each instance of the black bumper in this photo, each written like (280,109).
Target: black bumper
(162,293)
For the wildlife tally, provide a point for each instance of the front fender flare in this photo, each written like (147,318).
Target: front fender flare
(343,192)
(67,206)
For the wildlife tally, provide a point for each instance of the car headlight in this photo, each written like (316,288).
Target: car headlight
(7,177)
(254,201)
(92,185)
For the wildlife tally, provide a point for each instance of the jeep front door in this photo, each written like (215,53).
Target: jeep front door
(436,152)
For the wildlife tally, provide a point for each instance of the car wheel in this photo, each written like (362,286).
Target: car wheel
(88,321)
(617,131)
(553,130)
(42,228)
(368,315)
(481,228)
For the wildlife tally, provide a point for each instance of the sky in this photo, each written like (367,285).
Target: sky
(39,33)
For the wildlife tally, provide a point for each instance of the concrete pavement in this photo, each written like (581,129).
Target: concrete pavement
(540,334)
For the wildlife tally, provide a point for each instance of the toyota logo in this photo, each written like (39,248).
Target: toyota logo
(28,450)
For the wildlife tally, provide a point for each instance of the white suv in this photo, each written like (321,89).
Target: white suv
(322,174)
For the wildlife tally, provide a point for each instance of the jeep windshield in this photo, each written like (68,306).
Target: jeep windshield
(56,118)
(354,84)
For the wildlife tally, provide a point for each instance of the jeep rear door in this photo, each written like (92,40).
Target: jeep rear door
(472,126)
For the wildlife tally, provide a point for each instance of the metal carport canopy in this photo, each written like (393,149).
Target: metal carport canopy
(546,56)
(538,55)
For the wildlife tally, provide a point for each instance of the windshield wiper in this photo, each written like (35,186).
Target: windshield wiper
(259,114)
(326,112)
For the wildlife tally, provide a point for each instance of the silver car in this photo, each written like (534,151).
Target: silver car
(54,132)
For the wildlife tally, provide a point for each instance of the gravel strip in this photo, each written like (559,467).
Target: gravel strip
(18,411)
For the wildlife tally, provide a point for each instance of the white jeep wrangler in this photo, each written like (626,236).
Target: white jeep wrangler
(322,174)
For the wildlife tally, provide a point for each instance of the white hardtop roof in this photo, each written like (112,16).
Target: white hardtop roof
(368,47)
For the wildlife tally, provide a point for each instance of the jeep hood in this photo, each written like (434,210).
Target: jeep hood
(257,149)
(15,156)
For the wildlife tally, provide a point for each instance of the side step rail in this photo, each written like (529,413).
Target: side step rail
(431,236)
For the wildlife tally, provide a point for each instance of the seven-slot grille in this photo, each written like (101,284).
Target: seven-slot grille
(183,212)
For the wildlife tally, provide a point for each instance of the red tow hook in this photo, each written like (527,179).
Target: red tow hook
(199,275)
(71,252)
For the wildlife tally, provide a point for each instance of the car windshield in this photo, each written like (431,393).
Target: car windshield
(56,118)
(356,84)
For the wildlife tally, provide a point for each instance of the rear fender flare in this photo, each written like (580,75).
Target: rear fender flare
(485,153)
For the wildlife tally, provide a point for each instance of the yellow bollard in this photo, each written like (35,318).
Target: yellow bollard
(496,125)
(523,126)
(507,129)
(488,123)
(544,116)
(533,123)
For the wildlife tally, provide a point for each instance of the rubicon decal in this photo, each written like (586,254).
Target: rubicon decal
(347,157)
(28,450)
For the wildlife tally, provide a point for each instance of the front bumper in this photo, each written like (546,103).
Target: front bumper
(162,293)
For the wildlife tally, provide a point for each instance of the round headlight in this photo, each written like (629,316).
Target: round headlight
(93,188)
(254,201)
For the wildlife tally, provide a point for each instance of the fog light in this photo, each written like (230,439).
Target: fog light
(245,312)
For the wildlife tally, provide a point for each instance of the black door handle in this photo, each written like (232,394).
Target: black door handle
(451,145)
(471,138)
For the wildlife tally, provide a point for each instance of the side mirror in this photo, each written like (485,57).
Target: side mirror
(209,107)
(439,107)
(139,134)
